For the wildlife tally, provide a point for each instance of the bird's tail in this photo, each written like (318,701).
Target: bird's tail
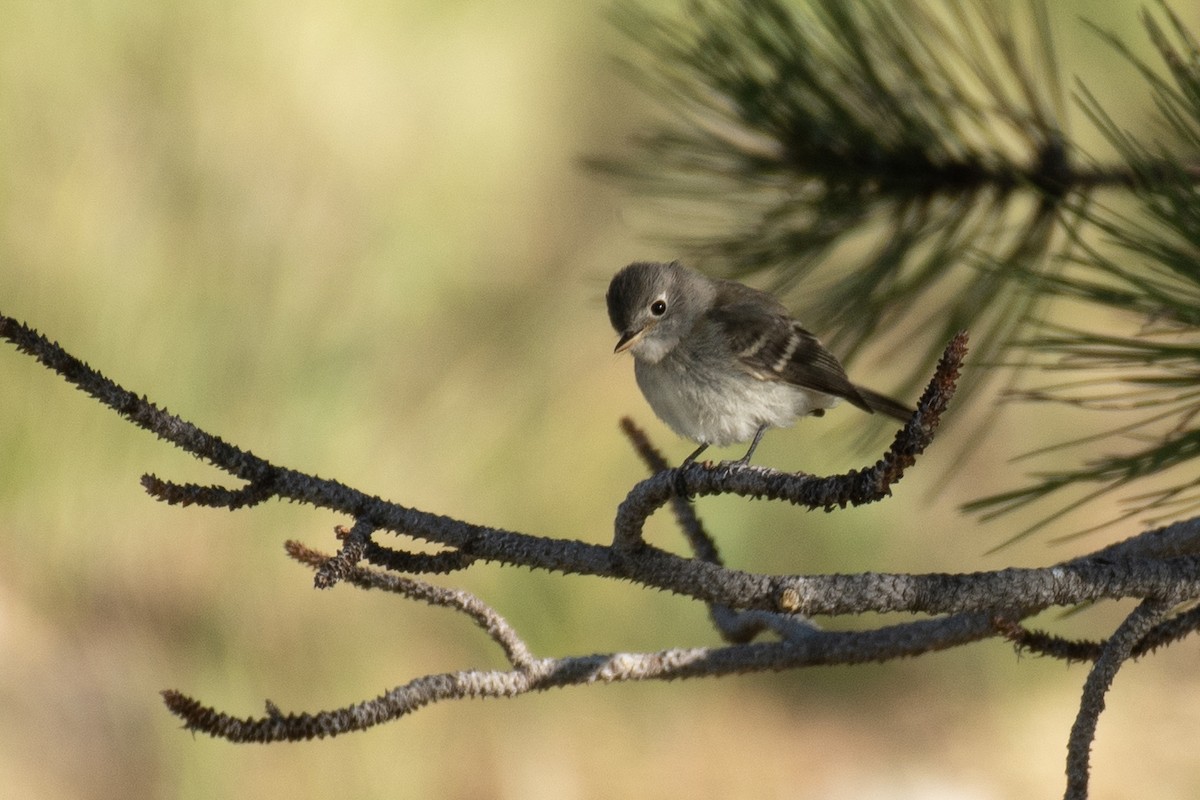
(885,405)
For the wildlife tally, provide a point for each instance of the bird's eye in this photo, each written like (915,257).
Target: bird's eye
(658,308)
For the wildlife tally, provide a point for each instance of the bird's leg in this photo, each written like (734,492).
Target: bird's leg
(680,487)
(754,444)
(693,456)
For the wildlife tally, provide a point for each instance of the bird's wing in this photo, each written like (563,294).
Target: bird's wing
(772,346)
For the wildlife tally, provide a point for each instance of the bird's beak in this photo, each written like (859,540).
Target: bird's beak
(629,339)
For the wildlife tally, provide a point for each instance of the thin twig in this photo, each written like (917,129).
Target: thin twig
(1041,643)
(1116,652)
(186,494)
(442,563)
(854,488)
(484,615)
(354,545)
(820,649)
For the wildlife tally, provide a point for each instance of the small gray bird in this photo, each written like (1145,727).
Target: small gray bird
(720,362)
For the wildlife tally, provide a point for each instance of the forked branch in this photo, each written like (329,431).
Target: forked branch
(1162,568)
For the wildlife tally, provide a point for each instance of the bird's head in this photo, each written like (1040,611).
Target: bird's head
(653,305)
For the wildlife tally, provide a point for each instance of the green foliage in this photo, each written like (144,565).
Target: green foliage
(927,146)
(1149,275)
(909,141)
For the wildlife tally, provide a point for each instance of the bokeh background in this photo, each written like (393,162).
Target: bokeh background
(355,238)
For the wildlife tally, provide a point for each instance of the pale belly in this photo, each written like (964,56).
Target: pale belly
(722,408)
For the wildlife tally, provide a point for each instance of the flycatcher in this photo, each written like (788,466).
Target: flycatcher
(721,362)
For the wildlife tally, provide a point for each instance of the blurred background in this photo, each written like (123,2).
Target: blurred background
(356,239)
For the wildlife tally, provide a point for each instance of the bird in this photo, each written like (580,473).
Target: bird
(721,362)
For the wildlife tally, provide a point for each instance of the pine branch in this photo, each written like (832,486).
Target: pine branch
(933,139)
(787,134)
(1148,276)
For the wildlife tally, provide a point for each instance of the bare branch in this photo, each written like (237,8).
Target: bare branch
(745,480)
(1041,643)
(1161,567)
(821,648)
(417,563)
(1116,652)
(484,615)
(734,626)
(354,545)
(1030,590)
(186,494)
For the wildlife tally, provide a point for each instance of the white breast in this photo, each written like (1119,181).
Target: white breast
(721,407)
